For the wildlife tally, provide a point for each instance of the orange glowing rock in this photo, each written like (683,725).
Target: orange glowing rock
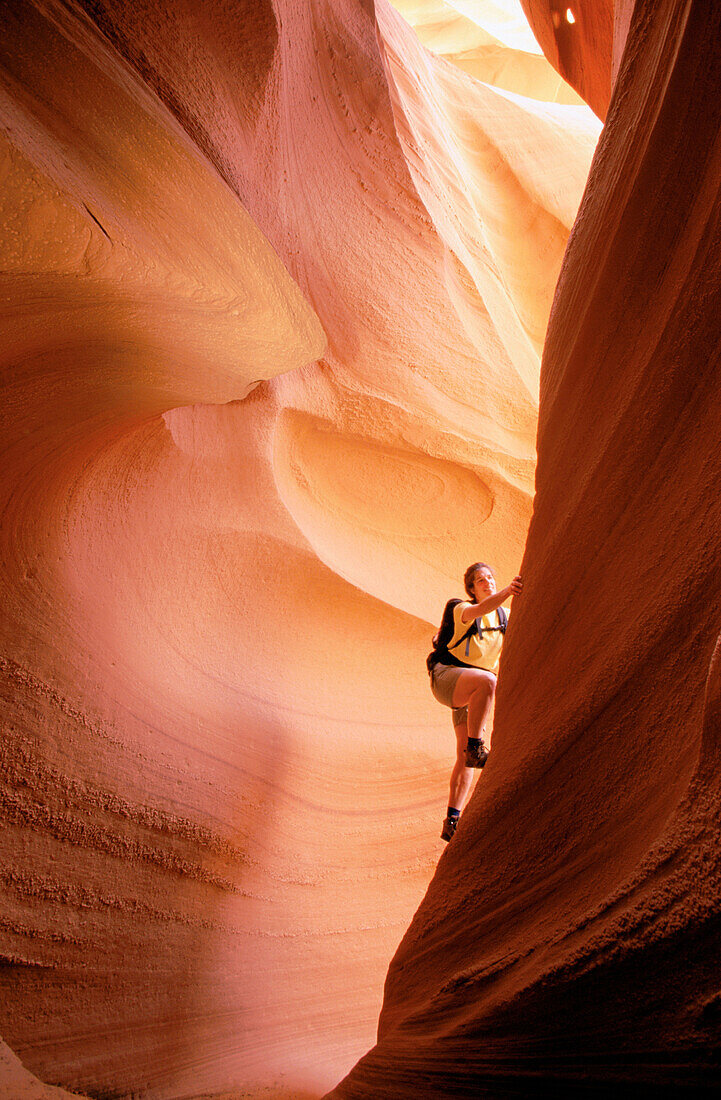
(569,939)
(583,40)
(271,344)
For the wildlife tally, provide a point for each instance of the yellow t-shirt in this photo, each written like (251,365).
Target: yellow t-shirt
(480,650)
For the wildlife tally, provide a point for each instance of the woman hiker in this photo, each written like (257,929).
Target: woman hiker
(462,666)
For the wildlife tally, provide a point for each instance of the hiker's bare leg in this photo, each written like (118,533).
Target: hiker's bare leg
(461,776)
(476,688)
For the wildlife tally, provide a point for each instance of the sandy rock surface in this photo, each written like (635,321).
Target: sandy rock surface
(271,350)
(17,1084)
(569,939)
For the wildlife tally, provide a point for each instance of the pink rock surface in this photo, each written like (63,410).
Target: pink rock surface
(268,388)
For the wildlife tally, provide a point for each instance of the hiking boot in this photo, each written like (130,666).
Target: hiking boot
(449,828)
(476,756)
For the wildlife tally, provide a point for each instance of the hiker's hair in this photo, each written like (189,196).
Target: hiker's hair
(469,575)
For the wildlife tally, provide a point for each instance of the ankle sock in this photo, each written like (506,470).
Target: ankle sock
(453,812)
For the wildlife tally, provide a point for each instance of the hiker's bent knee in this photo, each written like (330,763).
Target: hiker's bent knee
(486,684)
(473,683)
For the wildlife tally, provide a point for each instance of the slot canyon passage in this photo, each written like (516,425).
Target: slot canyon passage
(277,364)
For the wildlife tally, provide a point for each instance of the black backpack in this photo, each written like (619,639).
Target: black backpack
(440,654)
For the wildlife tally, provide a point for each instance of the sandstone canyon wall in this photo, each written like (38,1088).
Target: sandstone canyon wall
(16,1083)
(271,342)
(569,941)
(582,38)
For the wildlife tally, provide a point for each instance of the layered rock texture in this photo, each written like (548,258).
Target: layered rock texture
(275,284)
(569,940)
(270,362)
(16,1083)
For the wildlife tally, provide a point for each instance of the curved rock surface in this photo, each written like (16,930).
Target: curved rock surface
(270,370)
(493,42)
(584,40)
(568,942)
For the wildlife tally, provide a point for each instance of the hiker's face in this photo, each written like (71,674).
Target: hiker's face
(484,584)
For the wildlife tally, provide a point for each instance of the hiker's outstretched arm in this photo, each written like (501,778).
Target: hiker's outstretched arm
(475,610)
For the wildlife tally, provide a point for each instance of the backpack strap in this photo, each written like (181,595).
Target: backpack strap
(443,636)
(445,633)
(476,628)
(472,629)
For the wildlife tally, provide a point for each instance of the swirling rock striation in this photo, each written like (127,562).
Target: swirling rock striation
(267,389)
(569,939)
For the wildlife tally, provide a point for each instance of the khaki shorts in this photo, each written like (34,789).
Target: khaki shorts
(443,682)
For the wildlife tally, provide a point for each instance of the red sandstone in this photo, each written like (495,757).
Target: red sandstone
(275,287)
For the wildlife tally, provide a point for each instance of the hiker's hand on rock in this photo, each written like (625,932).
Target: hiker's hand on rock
(516,586)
